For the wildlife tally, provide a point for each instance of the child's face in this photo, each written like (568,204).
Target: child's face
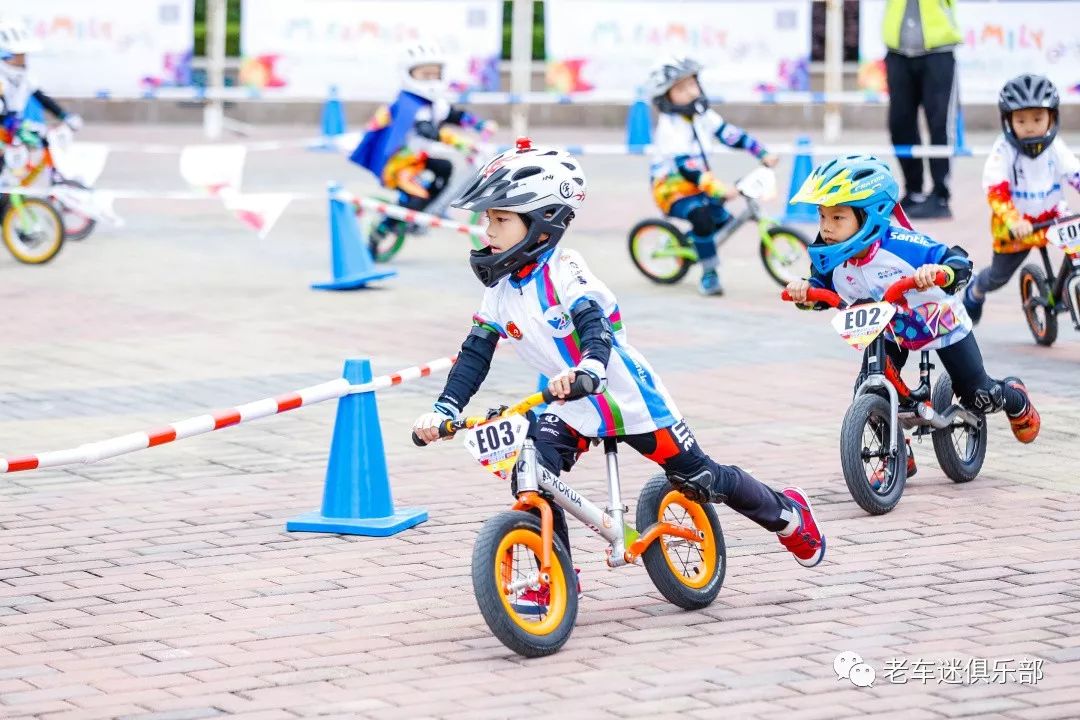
(837,224)
(1030,122)
(505,229)
(427,72)
(685,91)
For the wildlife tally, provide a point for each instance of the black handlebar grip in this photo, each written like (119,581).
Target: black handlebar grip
(417,441)
(584,385)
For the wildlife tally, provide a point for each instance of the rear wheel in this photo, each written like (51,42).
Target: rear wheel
(960,449)
(77,225)
(874,478)
(661,251)
(32,229)
(386,238)
(784,254)
(1035,296)
(689,574)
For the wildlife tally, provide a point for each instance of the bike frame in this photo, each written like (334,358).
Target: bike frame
(1062,283)
(626,543)
(752,211)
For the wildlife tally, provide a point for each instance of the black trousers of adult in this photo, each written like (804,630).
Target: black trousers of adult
(928,81)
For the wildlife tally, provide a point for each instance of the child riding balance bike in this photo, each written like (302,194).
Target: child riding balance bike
(565,323)
(859,255)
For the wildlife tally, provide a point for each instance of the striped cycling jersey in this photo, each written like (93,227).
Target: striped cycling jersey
(533,315)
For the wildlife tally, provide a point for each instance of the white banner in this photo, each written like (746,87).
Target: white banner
(304,48)
(610,45)
(1001,40)
(213,169)
(115,46)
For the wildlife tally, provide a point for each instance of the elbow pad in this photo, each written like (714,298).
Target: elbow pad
(957,260)
(594,331)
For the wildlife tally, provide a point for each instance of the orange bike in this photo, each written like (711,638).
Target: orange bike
(31,227)
(517,553)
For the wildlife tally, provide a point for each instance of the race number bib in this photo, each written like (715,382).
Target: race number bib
(1065,235)
(496,443)
(861,324)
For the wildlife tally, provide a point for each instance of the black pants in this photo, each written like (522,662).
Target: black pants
(964,363)
(676,450)
(1002,268)
(929,81)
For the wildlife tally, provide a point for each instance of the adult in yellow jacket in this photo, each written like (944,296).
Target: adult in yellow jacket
(921,70)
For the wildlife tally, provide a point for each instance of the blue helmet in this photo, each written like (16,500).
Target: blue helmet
(862,182)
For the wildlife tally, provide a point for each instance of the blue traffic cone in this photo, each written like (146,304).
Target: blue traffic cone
(356,497)
(333,120)
(351,257)
(638,126)
(801,169)
(961,149)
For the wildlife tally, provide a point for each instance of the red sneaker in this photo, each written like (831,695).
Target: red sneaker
(1026,426)
(807,542)
(879,475)
(535,601)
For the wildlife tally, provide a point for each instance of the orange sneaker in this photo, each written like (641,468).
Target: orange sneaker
(878,476)
(1025,426)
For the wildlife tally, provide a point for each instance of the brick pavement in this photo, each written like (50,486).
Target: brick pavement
(162,585)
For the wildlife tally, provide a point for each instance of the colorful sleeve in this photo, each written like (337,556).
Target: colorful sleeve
(995,182)
(486,317)
(463,118)
(735,137)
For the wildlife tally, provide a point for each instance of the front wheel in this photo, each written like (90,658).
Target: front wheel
(784,255)
(1035,295)
(386,238)
(661,251)
(527,616)
(960,449)
(77,225)
(689,574)
(874,478)
(33,230)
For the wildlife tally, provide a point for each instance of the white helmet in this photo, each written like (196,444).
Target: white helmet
(423,54)
(15,39)
(664,76)
(544,185)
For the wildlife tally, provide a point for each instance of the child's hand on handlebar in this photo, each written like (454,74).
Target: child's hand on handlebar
(797,289)
(1022,229)
(926,275)
(770,160)
(427,425)
(560,385)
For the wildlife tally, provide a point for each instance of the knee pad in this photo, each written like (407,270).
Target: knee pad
(987,399)
(701,220)
(698,487)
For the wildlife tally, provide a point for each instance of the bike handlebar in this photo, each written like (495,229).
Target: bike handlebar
(1053,221)
(582,386)
(895,292)
(817,295)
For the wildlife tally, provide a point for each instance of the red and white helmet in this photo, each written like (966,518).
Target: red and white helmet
(543,185)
